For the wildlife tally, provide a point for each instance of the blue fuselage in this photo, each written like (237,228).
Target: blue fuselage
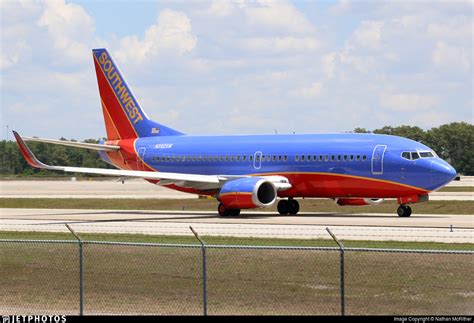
(360,156)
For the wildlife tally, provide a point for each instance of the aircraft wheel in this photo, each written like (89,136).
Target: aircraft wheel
(294,207)
(235,212)
(404,211)
(283,207)
(223,211)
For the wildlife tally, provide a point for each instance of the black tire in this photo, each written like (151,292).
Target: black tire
(283,207)
(404,211)
(294,207)
(223,211)
(235,212)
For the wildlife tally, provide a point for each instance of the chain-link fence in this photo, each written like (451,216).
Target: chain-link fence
(91,277)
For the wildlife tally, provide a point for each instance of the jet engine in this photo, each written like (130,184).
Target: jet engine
(358,201)
(248,193)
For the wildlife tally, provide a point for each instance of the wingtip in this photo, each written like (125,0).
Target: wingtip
(26,152)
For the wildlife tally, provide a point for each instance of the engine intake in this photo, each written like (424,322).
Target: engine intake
(248,193)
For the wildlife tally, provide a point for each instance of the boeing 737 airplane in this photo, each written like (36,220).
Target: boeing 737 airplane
(252,171)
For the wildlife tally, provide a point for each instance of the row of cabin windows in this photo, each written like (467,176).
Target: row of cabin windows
(275,158)
(330,158)
(202,158)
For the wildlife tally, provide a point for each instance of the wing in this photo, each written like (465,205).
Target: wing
(202,182)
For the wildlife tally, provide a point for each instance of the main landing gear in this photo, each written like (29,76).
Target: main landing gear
(289,206)
(223,211)
(404,211)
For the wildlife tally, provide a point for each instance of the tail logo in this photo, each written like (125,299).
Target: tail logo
(120,89)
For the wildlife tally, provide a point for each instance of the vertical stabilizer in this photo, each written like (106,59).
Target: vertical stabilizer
(123,116)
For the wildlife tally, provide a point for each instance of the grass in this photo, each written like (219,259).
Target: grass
(216,240)
(307,205)
(457,189)
(43,278)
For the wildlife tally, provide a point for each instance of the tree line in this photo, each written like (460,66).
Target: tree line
(453,142)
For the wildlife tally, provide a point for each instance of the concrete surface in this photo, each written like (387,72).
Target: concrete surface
(419,227)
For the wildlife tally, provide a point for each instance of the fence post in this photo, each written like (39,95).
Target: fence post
(81,270)
(341,247)
(204,271)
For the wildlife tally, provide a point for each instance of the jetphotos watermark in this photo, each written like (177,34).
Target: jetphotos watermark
(33,319)
(425,319)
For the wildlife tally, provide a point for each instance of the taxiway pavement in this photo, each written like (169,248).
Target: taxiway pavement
(382,227)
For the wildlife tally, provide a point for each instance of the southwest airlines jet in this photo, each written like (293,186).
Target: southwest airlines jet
(252,171)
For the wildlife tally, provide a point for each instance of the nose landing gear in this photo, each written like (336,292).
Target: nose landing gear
(404,211)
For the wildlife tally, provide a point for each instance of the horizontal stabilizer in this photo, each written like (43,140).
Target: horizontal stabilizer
(100,147)
(33,161)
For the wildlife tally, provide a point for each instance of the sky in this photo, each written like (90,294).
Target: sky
(238,67)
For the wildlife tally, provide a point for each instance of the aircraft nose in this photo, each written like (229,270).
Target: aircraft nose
(442,173)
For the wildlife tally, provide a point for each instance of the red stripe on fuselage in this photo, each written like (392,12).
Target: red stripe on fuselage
(333,186)
(338,185)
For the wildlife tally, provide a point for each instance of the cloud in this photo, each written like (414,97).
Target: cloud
(172,35)
(379,63)
(70,29)
(408,102)
(367,35)
(312,91)
(452,57)
(277,16)
(277,45)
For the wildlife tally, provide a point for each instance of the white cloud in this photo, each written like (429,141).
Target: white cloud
(277,16)
(459,27)
(70,29)
(312,91)
(172,34)
(340,8)
(367,35)
(408,102)
(219,8)
(452,57)
(277,45)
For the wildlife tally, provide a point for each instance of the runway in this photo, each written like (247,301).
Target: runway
(381,227)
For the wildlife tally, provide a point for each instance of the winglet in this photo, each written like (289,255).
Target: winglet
(26,152)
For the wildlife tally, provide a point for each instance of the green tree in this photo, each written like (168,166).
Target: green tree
(454,142)
(410,132)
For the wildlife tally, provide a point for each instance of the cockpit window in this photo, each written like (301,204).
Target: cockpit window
(414,155)
(426,154)
(406,155)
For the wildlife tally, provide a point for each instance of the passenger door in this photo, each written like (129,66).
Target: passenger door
(257,160)
(377,159)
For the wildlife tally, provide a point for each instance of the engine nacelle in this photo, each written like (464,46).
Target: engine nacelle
(248,193)
(358,201)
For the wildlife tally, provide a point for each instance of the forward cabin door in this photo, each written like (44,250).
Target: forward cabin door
(377,159)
